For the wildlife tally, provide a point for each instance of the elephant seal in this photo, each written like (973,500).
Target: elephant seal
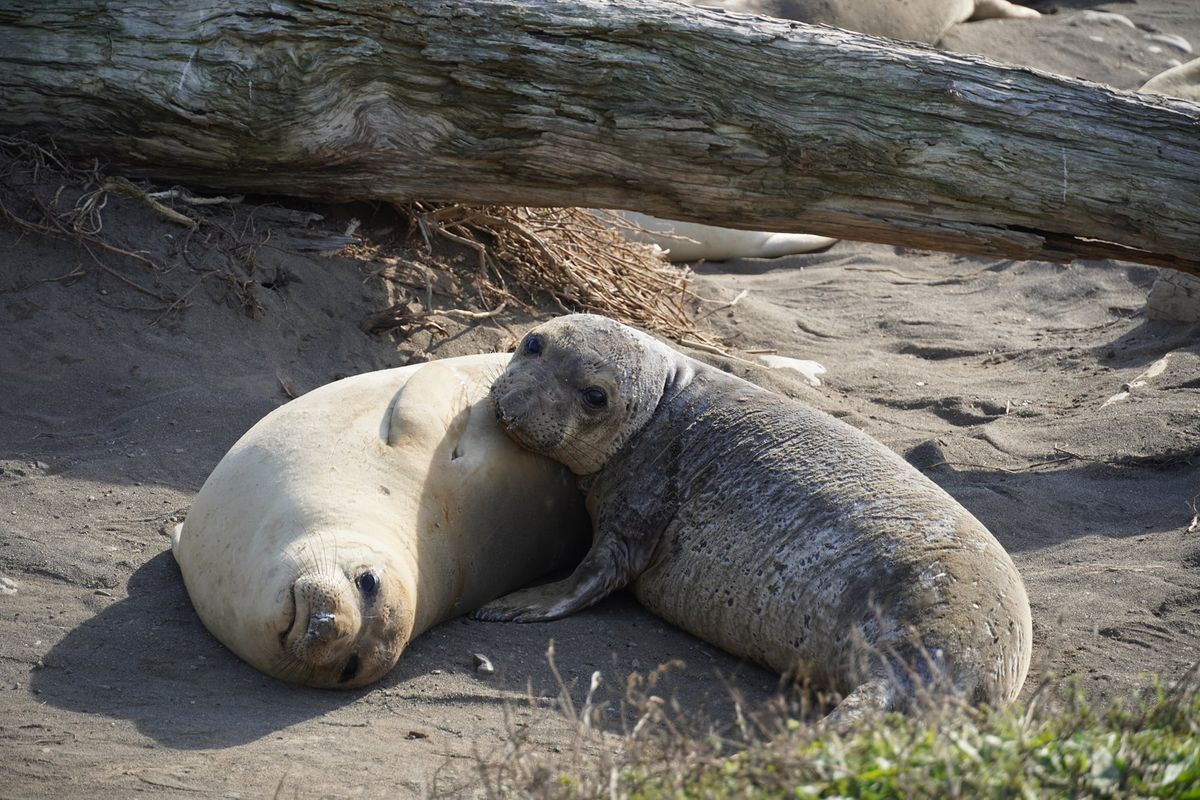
(1175,296)
(762,525)
(1182,81)
(348,521)
(915,20)
(691,241)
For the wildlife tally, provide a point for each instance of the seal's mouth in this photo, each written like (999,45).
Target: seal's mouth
(350,671)
(287,631)
(503,418)
(509,423)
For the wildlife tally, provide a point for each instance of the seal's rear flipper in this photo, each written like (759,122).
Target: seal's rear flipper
(176,534)
(868,699)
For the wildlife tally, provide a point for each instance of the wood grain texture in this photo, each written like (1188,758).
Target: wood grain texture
(658,107)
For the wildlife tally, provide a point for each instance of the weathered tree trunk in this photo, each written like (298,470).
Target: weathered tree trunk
(653,106)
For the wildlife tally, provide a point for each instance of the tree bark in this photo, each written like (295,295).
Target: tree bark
(658,107)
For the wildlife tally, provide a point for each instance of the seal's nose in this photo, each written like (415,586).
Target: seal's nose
(503,400)
(321,625)
(326,617)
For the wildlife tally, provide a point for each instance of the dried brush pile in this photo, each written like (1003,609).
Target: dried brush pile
(570,259)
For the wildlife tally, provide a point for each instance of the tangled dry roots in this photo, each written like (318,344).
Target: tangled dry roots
(571,258)
(574,256)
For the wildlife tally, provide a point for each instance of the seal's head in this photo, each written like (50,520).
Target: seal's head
(343,619)
(330,610)
(579,386)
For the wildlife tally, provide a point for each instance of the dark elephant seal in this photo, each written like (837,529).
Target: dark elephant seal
(760,524)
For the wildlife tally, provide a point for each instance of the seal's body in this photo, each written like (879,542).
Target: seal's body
(1181,81)
(915,20)
(691,241)
(352,519)
(762,525)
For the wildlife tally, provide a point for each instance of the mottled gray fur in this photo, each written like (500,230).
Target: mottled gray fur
(762,525)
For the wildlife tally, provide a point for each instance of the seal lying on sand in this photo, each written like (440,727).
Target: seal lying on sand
(915,20)
(761,525)
(691,241)
(349,521)
(1182,81)
(1175,295)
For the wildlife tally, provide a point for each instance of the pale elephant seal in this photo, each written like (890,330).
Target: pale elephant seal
(1182,81)
(1175,296)
(691,241)
(766,527)
(349,521)
(914,20)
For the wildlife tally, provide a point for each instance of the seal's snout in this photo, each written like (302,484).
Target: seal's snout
(345,628)
(510,398)
(325,620)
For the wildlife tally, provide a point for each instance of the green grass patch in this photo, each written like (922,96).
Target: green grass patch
(1060,745)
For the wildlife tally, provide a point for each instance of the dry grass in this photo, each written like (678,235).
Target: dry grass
(1057,745)
(24,168)
(43,194)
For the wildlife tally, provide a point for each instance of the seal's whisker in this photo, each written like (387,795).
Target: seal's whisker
(579,448)
(328,553)
(298,561)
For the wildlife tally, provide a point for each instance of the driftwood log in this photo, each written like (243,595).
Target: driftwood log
(654,106)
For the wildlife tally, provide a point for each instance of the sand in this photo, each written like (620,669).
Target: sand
(1038,395)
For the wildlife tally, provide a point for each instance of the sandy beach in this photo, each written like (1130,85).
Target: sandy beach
(1040,396)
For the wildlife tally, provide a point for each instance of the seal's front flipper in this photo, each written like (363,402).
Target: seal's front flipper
(598,575)
(432,406)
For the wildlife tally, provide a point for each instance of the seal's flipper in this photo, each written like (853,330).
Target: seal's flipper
(868,699)
(176,535)
(432,406)
(598,575)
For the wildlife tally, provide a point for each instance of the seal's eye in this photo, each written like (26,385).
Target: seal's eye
(533,344)
(595,398)
(368,583)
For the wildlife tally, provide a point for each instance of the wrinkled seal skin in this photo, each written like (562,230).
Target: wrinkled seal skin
(762,525)
(349,521)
